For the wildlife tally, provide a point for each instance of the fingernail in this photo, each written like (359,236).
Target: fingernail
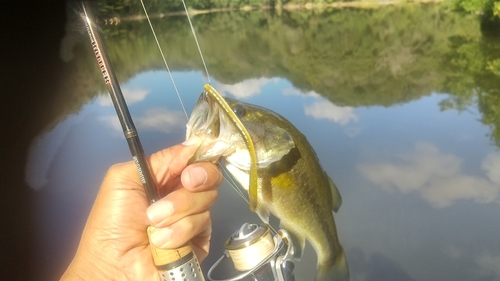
(197,176)
(160,236)
(191,141)
(159,211)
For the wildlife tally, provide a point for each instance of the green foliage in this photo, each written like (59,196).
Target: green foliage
(494,66)
(354,57)
(489,11)
(496,9)
(471,6)
(473,77)
(489,105)
(108,8)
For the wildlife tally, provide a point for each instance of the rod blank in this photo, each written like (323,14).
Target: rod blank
(120,105)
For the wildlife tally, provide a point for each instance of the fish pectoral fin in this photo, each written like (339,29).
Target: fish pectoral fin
(298,241)
(336,199)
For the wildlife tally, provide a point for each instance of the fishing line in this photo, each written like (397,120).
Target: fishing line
(224,173)
(196,40)
(164,60)
(233,184)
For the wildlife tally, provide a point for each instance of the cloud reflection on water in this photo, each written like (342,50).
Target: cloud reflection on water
(243,89)
(320,109)
(132,95)
(296,92)
(375,266)
(436,177)
(329,111)
(490,265)
(155,119)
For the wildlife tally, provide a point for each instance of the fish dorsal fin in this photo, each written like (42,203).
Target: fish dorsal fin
(336,199)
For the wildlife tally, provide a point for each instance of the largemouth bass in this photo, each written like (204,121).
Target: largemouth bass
(290,183)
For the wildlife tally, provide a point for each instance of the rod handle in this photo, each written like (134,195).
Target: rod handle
(176,264)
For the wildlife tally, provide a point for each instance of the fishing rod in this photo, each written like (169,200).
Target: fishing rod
(251,250)
(177,264)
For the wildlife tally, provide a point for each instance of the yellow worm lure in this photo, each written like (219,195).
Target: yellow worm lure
(252,190)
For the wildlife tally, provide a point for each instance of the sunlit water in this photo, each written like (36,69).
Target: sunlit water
(420,186)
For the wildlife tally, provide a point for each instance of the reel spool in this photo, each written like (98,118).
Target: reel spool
(249,246)
(256,255)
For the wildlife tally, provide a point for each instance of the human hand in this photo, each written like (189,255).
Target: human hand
(115,245)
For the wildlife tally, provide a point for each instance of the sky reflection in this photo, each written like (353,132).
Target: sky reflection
(437,177)
(420,187)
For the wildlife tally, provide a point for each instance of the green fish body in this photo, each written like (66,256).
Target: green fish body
(291,183)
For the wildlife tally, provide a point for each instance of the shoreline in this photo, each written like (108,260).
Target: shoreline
(287,7)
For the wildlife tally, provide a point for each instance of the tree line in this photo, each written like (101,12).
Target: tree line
(354,57)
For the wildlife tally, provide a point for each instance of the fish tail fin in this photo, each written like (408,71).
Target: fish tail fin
(333,271)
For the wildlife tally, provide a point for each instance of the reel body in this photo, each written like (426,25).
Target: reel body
(256,255)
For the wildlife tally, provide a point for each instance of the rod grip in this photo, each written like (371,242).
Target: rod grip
(176,264)
(162,257)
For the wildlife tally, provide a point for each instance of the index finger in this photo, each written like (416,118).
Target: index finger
(201,176)
(169,163)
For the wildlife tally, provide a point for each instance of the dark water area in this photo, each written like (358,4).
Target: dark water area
(400,104)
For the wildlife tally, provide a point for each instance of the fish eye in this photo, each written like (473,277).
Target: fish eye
(240,111)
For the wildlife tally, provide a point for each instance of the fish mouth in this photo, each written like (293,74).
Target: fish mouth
(209,123)
(215,123)
(203,116)
(221,132)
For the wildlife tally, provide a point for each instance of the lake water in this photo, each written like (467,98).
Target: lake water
(398,103)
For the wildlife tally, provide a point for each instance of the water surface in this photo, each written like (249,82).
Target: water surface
(391,99)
